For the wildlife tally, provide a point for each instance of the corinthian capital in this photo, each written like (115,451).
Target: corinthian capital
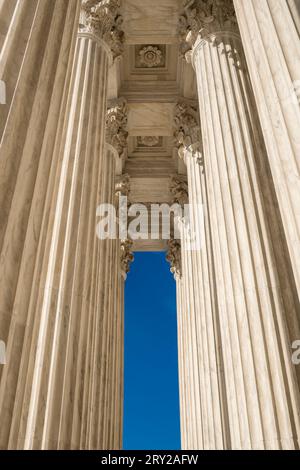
(174,257)
(102,19)
(179,189)
(116,122)
(123,185)
(126,256)
(187,131)
(205,17)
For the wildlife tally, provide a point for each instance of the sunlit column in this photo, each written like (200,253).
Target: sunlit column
(201,277)
(116,145)
(187,410)
(270,32)
(197,419)
(37,40)
(261,388)
(63,300)
(124,258)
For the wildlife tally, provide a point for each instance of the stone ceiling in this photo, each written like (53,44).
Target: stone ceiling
(152,78)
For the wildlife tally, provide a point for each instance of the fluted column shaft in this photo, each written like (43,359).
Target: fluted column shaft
(295,12)
(74,278)
(197,405)
(65,308)
(201,389)
(190,407)
(199,275)
(112,356)
(95,431)
(37,46)
(122,261)
(207,319)
(181,364)
(116,426)
(261,389)
(270,34)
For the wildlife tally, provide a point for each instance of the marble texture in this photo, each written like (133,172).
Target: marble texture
(272,49)
(151,22)
(36,74)
(63,392)
(263,396)
(79,110)
(150,119)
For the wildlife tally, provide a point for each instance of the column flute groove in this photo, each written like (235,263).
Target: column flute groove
(36,74)
(270,34)
(188,138)
(51,409)
(261,387)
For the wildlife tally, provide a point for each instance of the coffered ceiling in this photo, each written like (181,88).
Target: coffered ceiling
(147,22)
(151,77)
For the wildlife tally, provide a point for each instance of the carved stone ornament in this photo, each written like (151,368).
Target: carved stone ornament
(102,19)
(123,185)
(179,189)
(187,133)
(149,141)
(151,56)
(204,18)
(122,188)
(116,123)
(174,257)
(126,256)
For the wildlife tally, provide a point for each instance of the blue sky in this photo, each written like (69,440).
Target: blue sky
(151,406)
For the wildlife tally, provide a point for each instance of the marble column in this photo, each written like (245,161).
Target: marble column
(116,145)
(174,258)
(294,7)
(189,359)
(37,47)
(124,258)
(270,34)
(262,392)
(214,432)
(53,389)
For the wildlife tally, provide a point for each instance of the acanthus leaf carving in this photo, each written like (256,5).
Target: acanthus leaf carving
(102,19)
(179,189)
(122,187)
(116,123)
(203,18)
(174,257)
(122,203)
(187,133)
(127,256)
